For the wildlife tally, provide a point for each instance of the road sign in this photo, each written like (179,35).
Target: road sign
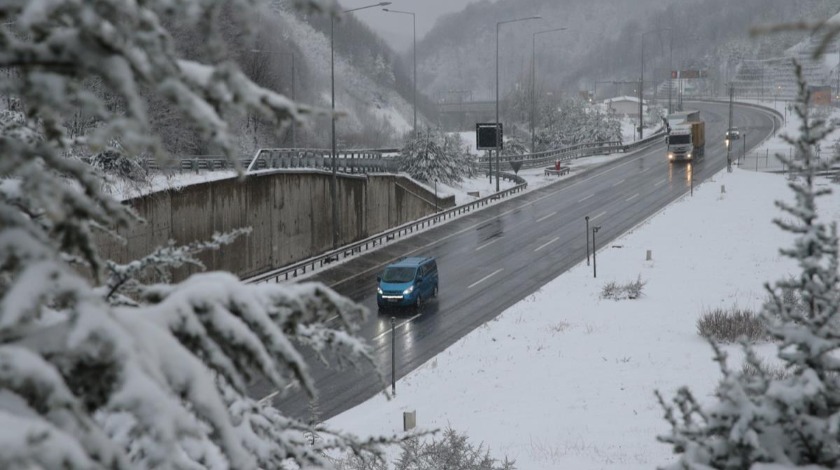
(485,135)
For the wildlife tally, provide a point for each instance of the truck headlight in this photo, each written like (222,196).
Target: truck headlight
(409,290)
(670,156)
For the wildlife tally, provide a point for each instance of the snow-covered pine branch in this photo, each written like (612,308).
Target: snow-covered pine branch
(158,379)
(756,417)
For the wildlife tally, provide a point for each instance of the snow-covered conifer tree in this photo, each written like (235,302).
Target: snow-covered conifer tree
(791,421)
(433,155)
(97,368)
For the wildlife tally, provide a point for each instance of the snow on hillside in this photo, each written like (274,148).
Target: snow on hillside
(354,90)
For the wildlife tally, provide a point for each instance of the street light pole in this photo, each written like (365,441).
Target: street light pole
(642,76)
(294,98)
(414,56)
(499,137)
(594,250)
(534,79)
(333,152)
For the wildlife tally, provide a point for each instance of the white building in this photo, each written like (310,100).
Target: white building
(626,106)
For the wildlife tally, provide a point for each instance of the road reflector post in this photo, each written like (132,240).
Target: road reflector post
(723,189)
(409,420)
(649,255)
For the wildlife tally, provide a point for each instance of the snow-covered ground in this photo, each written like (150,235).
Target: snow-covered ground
(566,379)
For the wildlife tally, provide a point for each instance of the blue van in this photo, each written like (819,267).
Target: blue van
(409,281)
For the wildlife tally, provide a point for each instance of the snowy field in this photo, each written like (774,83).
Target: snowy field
(565,379)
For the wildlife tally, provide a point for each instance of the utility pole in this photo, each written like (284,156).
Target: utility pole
(728,128)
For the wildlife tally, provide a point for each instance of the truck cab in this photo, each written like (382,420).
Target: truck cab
(680,144)
(686,136)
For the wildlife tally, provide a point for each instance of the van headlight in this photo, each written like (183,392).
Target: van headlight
(379,290)
(409,290)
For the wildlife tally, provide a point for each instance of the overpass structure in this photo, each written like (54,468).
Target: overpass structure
(464,114)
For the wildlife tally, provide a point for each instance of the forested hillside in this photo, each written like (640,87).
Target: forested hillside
(601,42)
(373,88)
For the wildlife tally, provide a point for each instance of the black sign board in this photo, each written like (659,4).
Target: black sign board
(485,135)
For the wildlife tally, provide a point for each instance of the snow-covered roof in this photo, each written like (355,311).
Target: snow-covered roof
(622,98)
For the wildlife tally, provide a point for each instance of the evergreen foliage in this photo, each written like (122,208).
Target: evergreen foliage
(573,121)
(100,365)
(762,417)
(436,156)
(453,451)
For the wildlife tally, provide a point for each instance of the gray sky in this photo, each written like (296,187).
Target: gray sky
(396,28)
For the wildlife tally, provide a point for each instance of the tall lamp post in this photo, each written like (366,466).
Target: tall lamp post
(642,77)
(333,152)
(498,136)
(414,56)
(534,78)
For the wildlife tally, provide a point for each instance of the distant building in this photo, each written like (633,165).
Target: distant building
(820,95)
(627,106)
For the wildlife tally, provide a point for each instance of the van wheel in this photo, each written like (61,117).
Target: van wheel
(419,302)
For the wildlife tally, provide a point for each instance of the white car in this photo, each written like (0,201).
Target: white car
(733,134)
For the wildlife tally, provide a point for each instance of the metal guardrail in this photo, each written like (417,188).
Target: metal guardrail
(538,159)
(300,268)
(347,161)
(307,266)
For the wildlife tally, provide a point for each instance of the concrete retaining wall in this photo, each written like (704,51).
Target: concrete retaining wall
(289,212)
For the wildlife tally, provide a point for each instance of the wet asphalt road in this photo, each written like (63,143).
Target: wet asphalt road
(491,259)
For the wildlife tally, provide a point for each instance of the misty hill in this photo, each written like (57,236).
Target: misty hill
(289,51)
(602,41)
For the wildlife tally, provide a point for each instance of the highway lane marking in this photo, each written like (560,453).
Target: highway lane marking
(380,335)
(270,396)
(618,182)
(472,227)
(596,174)
(546,216)
(587,197)
(487,244)
(660,182)
(547,243)
(485,278)
(631,197)
(599,215)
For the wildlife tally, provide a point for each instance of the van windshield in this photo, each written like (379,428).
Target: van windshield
(398,274)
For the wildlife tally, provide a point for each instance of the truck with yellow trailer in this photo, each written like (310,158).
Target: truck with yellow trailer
(686,139)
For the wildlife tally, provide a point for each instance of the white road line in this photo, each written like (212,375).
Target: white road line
(618,182)
(273,394)
(487,244)
(546,216)
(485,278)
(268,397)
(659,183)
(631,197)
(599,215)
(547,243)
(587,197)
(396,327)
(574,185)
